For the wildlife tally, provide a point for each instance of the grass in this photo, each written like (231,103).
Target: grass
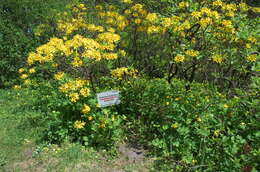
(20,130)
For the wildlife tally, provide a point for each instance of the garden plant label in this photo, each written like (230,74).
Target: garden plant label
(108,98)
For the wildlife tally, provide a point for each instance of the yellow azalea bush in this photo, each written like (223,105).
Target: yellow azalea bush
(67,68)
(158,62)
(198,41)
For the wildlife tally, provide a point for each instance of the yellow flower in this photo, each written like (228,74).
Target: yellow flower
(122,53)
(226,23)
(194,161)
(251,58)
(218,3)
(217,58)
(99,7)
(111,7)
(74,97)
(84,92)
(82,6)
(79,124)
(90,118)
(110,56)
(242,123)
(248,45)
(119,72)
(252,39)
(113,117)
(151,17)
(137,21)
(32,70)
(225,106)
(230,14)
(27,82)
(137,7)
(102,125)
(199,119)
(204,22)
(85,109)
(196,14)
(179,58)
(108,37)
(112,30)
(167,103)
(24,76)
(153,29)
(216,133)
(17,87)
(58,76)
(77,62)
(127,1)
(175,125)
(166,22)
(206,11)
(177,98)
(54,65)
(256,9)
(243,6)
(21,70)
(127,11)
(183,4)
(192,53)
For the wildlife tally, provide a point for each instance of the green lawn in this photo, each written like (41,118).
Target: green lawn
(20,130)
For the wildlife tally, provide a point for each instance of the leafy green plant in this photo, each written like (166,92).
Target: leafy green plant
(192,129)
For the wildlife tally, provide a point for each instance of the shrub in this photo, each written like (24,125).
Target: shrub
(198,129)
(125,47)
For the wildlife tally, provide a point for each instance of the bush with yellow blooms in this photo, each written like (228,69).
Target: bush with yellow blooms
(176,70)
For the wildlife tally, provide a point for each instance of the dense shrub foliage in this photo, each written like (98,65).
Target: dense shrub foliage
(200,128)
(182,73)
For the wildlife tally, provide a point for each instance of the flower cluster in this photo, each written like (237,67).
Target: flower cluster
(120,73)
(217,58)
(179,58)
(251,58)
(79,124)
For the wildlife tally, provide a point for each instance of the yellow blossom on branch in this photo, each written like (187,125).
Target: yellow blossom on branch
(183,4)
(21,70)
(58,76)
(85,109)
(251,58)
(217,3)
(74,97)
(17,87)
(175,125)
(151,17)
(32,70)
(90,118)
(196,14)
(119,73)
(84,92)
(192,53)
(179,58)
(79,124)
(24,76)
(217,58)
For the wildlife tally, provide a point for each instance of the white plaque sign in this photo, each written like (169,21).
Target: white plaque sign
(108,98)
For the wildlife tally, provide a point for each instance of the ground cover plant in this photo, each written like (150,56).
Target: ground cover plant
(188,76)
